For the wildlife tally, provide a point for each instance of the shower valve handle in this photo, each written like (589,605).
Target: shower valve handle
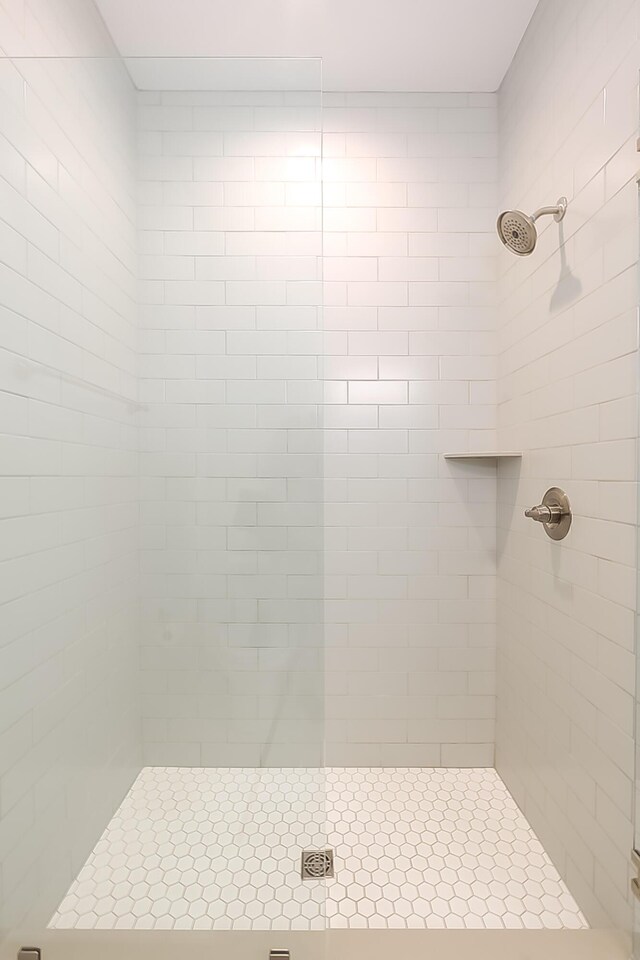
(554,513)
(544,514)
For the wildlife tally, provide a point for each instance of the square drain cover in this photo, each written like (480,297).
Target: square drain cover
(316,864)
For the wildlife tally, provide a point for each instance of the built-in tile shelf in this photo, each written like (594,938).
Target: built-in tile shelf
(486,455)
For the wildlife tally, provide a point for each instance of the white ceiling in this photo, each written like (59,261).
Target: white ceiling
(431,45)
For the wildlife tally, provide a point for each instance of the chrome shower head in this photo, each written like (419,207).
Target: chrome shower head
(518,231)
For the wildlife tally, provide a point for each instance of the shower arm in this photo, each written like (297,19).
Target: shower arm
(557,212)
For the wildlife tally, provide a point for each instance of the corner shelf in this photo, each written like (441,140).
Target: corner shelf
(488,455)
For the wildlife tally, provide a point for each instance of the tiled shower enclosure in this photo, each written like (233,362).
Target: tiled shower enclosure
(249,608)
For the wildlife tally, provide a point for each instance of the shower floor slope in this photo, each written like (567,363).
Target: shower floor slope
(220,849)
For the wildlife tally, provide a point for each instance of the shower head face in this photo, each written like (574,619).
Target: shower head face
(518,232)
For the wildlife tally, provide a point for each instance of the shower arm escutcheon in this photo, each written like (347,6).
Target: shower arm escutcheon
(554,513)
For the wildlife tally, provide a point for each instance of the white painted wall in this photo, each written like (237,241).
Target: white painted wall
(405,46)
(568,381)
(69,726)
(230,217)
(409,267)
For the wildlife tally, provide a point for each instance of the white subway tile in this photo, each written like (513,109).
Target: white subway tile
(377,392)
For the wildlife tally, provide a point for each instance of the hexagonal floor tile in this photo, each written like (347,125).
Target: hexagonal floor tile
(414,848)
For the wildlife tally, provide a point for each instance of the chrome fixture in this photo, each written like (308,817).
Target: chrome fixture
(518,231)
(554,513)
(279,955)
(316,864)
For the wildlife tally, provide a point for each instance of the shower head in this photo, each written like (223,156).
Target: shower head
(518,231)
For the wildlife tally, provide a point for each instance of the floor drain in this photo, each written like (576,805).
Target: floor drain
(316,864)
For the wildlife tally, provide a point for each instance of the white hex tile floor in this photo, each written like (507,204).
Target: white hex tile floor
(204,848)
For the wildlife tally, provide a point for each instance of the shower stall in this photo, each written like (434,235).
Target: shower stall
(285,665)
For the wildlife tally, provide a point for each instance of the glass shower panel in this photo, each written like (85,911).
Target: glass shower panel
(162,318)
(232,666)
(230,247)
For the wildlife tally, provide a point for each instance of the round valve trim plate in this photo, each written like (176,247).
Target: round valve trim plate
(557,498)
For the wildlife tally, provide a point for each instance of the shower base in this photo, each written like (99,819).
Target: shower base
(220,849)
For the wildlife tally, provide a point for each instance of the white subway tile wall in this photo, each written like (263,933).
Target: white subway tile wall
(410,265)
(69,719)
(232,497)
(233,451)
(568,383)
